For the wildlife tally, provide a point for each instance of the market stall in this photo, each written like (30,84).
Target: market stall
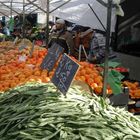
(46,94)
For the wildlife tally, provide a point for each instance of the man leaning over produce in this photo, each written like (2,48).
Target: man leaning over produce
(97,49)
(62,37)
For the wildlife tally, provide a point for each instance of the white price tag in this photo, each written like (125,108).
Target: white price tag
(22,58)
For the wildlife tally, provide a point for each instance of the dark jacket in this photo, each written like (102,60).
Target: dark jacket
(64,39)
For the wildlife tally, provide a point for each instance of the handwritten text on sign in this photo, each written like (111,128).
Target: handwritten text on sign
(65,73)
(50,59)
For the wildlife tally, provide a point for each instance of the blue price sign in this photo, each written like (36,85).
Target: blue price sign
(65,73)
(51,58)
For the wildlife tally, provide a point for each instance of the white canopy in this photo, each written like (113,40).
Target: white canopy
(17,6)
(81,12)
(76,11)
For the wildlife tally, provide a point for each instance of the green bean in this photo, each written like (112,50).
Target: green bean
(38,112)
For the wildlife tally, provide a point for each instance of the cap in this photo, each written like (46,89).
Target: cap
(60,21)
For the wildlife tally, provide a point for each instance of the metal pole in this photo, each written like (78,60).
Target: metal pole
(23,27)
(30,3)
(29,7)
(37,6)
(47,24)
(33,11)
(11,8)
(105,4)
(4,14)
(105,74)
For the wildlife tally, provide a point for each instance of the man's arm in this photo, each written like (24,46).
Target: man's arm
(70,42)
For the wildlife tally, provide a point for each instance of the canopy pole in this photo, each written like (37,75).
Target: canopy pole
(4,14)
(23,26)
(11,8)
(36,6)
(106,5)
(105,73)
(47,25)
(30,3)
(33,11)
(29,7)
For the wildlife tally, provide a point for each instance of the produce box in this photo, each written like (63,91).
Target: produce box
(119,99)
(134,107)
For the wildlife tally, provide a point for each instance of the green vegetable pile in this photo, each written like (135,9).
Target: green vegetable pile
(40,112)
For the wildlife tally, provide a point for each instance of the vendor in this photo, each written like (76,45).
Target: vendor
(62,37)
(4,29)
(97,49)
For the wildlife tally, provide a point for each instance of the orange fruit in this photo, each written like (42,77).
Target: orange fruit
(45,79)
(21,76)
(77,78)
(98,90)
(44,72)
(88,70)
(94,74)
(90,81)
(109,91)
(13,85)
(97,80)
(82,72)
(87,76)
(136,83)
(91,66)
(82,78)
(37,73)
(93,85)
(100,84)
(51,73)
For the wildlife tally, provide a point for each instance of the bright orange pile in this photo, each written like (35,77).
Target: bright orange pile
(17,73)
(8,57)
(90,74)
(13,72)
(134,88)
(10,52)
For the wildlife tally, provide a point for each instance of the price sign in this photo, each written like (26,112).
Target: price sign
(50,59)
(65,73)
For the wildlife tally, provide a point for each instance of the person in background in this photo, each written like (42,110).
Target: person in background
(4,29)
(17,27)
(62,37)
(51,25)
(11,25)
(97,49)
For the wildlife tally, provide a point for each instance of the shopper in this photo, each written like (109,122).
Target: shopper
(62,37)
(4,29)
(97,49)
